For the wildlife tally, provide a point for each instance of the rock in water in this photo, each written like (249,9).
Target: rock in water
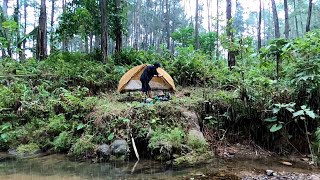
(269,172)
(119,147)
(104,152)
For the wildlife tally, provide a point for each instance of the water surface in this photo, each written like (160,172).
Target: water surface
(60,167)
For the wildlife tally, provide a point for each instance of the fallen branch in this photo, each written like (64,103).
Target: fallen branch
(134,147)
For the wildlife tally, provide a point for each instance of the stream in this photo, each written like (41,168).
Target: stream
(62,168)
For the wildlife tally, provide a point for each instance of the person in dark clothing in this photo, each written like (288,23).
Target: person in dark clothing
(148,73)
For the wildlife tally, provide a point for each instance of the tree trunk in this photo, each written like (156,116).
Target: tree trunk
(136,31)
(309,16)
(5,8)
(104,30)
(300,16)
(259,26)
(286,19)
(51,24)
(275,19)
(168,24)
(231,52)
(217,29)
(42,33)
(5,34)
(209,14)
(25,22)
(17,20)
(295,17)
(65,40)
(91,42)
(173,29)
(118,32)
(86,44)
(265,30)
(197,26)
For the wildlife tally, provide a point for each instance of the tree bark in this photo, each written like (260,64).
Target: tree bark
(104,31)
(286,19)
(25,22)
(309,16)
(5,8)
(259,26)
(275,19)
(136,29)
(295,17)
(217,29)
(118,27)
(209,15)
(168,24)
(5,14)
(91,42)
(86,44)
(231,52)
(300,16)
(65,40)
(18,19)
(197,26)
(51,24)
(42,33)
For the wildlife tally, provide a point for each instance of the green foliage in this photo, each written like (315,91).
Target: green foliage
(190,67)
(62,142)
(83,18)
(83,148)
(173,136)
(4,129)
(199,145)
(184,38)
(305,112)
(58,124)
(6,97)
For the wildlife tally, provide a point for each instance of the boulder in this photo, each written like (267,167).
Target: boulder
(119,147)
(192,119)
(30,150)
(196,140)
(103,151)
(194,134)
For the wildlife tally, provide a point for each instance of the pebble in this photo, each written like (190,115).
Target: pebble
(269,172)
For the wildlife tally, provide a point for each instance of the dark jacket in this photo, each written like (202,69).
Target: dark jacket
(148,73)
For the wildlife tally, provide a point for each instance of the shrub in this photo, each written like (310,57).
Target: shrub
(62,142)
(83,148)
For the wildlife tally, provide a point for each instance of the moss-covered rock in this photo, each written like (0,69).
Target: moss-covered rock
(197,141)
(26,150)
(192,159)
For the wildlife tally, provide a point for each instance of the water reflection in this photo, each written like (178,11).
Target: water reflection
(60,167)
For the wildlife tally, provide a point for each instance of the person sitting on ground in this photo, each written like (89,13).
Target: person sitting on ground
(148,73)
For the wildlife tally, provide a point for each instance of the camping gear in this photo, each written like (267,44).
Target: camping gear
(163,97)
(130,81)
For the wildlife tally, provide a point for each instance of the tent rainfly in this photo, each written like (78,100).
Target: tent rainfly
(130,81)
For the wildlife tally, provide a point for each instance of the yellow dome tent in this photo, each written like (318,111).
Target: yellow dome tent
(130,81)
